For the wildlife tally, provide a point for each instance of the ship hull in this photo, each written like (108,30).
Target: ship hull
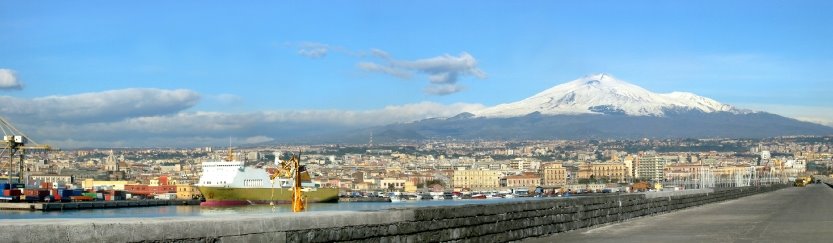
(224,196)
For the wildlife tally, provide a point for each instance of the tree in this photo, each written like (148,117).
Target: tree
(432,183)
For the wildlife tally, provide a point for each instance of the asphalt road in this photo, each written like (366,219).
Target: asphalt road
(797,214)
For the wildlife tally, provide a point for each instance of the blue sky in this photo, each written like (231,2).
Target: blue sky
(316,56)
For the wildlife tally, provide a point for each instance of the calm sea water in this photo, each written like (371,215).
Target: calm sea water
(181,211)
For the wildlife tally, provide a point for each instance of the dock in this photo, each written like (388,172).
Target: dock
(363,199)
(57,206)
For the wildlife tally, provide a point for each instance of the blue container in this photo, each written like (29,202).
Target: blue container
(18,185)
(77,192)
(5,186)
(64,193)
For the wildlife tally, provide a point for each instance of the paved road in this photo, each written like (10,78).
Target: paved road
(797,214)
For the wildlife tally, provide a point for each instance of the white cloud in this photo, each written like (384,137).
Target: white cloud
(313,50)
(214,128)
(390,70)
(8,79)
(443,71)
(379,53)
(113,105)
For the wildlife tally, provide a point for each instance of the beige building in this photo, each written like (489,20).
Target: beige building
(629,164)
(650,167)
(610,171)
(529,181)
(410,186)
(553,175)
(586,187)
(363,186)
(731,170)
(684,170)
(186,192)
(476,179)
(524,164)
(90,184)
(392,183)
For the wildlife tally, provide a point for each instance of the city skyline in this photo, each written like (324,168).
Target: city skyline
(107,73)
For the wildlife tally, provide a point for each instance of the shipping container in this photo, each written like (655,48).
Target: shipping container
(12,192)
(77,192)
(18,185)
(5,186)
(46,185)
(41,193)
(65,193)
(166,196)
(80,198)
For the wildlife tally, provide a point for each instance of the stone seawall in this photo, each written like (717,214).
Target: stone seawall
(499,222)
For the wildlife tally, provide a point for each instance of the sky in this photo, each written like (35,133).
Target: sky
(193,73)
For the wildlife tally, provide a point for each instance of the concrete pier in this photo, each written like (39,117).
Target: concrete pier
(499,222)
(798,214)
(44,206)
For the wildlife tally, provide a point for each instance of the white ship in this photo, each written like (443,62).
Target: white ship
(230,182)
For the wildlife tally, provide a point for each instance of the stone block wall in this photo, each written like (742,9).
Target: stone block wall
(513,221)
(495,222)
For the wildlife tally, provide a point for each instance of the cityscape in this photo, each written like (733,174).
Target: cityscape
(461,166)
(387,121)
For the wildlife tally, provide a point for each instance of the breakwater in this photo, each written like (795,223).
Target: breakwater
(53,206)
(498,222)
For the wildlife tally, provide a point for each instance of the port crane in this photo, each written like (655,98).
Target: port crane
(293,168)
(17,143)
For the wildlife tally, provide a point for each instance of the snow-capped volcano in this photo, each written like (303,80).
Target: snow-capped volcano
(601,107)
(604,94)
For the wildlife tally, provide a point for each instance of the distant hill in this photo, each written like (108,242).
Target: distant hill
(599,107)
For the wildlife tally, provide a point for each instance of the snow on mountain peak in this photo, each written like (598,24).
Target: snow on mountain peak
(604,94)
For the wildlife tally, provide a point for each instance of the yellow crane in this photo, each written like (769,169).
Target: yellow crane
(292,168)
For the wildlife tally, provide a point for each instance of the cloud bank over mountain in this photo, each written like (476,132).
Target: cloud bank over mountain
(594,106)
(160,117)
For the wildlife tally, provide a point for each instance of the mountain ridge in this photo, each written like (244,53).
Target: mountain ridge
(601,107)
(600,93)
